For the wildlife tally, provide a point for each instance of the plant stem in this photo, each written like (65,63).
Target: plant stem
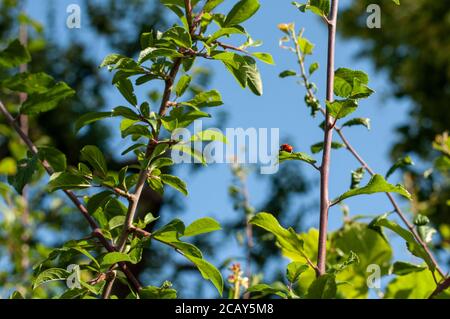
(328,136)
(92,223)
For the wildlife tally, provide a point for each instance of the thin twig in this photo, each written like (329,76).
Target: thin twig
(229,46)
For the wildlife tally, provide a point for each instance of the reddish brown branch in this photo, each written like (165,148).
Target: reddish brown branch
(440,288)
(328,136)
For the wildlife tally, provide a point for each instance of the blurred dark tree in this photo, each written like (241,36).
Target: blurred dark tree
(413,47)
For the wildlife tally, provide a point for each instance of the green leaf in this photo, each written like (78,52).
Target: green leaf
(125,88)
(358,121)
(151,292)
(341,108)
(294,270)
(161,162)
(201,226)
(152,53)
(413,246)
(29,83)
(54,157)
(262,290)
(254,80)
(66,181)
(222,33)
(306,47)
(313,68)
(50,275)
(290,243)
(242,11)
(287,73)
(370,248)
(234,64)
(179,36)
(89,118)
(16,295)
(205,99)
(401,268)
(170,234)
(264,57)
(197,155)
(116,222)
(38,86)
(175,182)
(351,259)
(400,163)
(111,59)
(397,2)
(377,184)
(136,131)
(183,85)
(14,55)
(116,257)
(351,84)
(211,5)
(357,177)
(8,166)
(415,285)
(323,287)
(317,148)
(286,156)
(209,135)
(125,112)
(98,200)
(319,7)
(93,156)
(426,233)
(208,272)
(48,100)
(421,220)
(25,170)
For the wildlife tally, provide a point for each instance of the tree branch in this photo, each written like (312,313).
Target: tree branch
(440,288)
(328,136)
(92,223)
(143,174)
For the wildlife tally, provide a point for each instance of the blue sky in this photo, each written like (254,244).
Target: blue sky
(282,107)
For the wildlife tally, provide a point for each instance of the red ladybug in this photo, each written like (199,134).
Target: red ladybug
(287,148)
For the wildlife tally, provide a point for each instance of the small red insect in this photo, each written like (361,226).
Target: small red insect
(287,148)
